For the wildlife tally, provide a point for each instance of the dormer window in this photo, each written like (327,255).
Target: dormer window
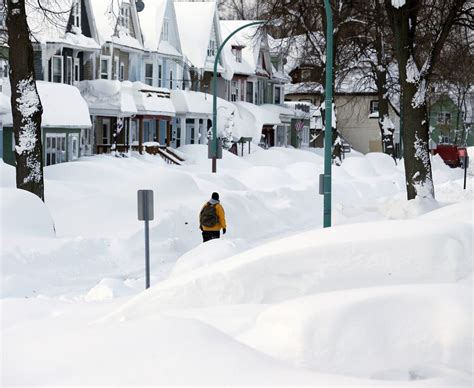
(165,30)
(76,13)
(211,49)
(124,16)
(237,51)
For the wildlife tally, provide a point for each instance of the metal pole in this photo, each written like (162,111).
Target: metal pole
(328,117)
(214,94)
(147,248)
(466,165)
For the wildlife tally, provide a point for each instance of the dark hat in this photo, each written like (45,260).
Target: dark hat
(215,196)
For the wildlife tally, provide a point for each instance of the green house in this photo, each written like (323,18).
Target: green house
(65,125)
(446,121)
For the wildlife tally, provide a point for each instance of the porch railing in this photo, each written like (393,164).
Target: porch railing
(169,155)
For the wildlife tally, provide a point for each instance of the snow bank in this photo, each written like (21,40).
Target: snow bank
(389,333)
(24,214)
(349,256)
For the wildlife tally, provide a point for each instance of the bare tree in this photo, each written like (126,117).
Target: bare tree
(308,18)
(420,29)
(25,102)
(239,9)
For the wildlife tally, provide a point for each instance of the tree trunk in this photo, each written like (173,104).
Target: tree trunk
(25,102)
(418,174)
(416,152)
(386,125)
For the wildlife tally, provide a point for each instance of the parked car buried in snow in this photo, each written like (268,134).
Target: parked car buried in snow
(450,154)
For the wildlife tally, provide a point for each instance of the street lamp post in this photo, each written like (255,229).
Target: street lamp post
(328,117)
(214,95)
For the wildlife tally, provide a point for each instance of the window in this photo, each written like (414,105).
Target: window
(73,149)
(171,79)
(122,71)
(277,95)
(77,70)
(211,49)
(234,91)
(5,70)
(149,73)
(116,67)
(160,75)
(105,131)
(165,30)
(57,67)
(305,75)
(55,148)
(76,13)
(249,91)
(237,51)
(105,62)
(444,118)
(69,69)
(374,106)
(124,16)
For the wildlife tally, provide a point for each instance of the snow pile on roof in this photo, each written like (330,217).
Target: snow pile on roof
(251,118)
(63,107)
(152,101)
(50,26)
(196,103)
(195,21)
(109,98)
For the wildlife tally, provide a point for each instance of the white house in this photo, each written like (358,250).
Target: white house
(199,31)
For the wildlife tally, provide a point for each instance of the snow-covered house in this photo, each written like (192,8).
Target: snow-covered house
(162,62)
(194,117)
(200,35)
(255,79)
(65,117)
(161,71)
(65,44)
(355,97)
(109,97)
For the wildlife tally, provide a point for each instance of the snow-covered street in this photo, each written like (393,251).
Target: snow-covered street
(382,298)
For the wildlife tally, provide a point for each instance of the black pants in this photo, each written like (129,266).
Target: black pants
(210,235)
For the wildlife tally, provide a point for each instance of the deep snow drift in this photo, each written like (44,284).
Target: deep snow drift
(382,298)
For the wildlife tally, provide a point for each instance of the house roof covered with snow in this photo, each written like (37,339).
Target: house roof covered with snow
(197,103)
(109,98)
(51,27)
(105,16)
(63,107)
(195,23)
(151,22)
(152,101)
(248,39)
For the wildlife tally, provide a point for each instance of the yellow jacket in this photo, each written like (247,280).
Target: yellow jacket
(220,219)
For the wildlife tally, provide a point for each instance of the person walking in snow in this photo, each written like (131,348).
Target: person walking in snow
(212,219)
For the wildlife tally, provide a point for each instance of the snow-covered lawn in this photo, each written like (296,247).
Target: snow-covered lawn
(382,298)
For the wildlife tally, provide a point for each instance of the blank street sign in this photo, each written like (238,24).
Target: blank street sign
(145,205)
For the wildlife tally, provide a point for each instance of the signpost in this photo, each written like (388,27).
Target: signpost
(327,178)
(146,213)
(464,162)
